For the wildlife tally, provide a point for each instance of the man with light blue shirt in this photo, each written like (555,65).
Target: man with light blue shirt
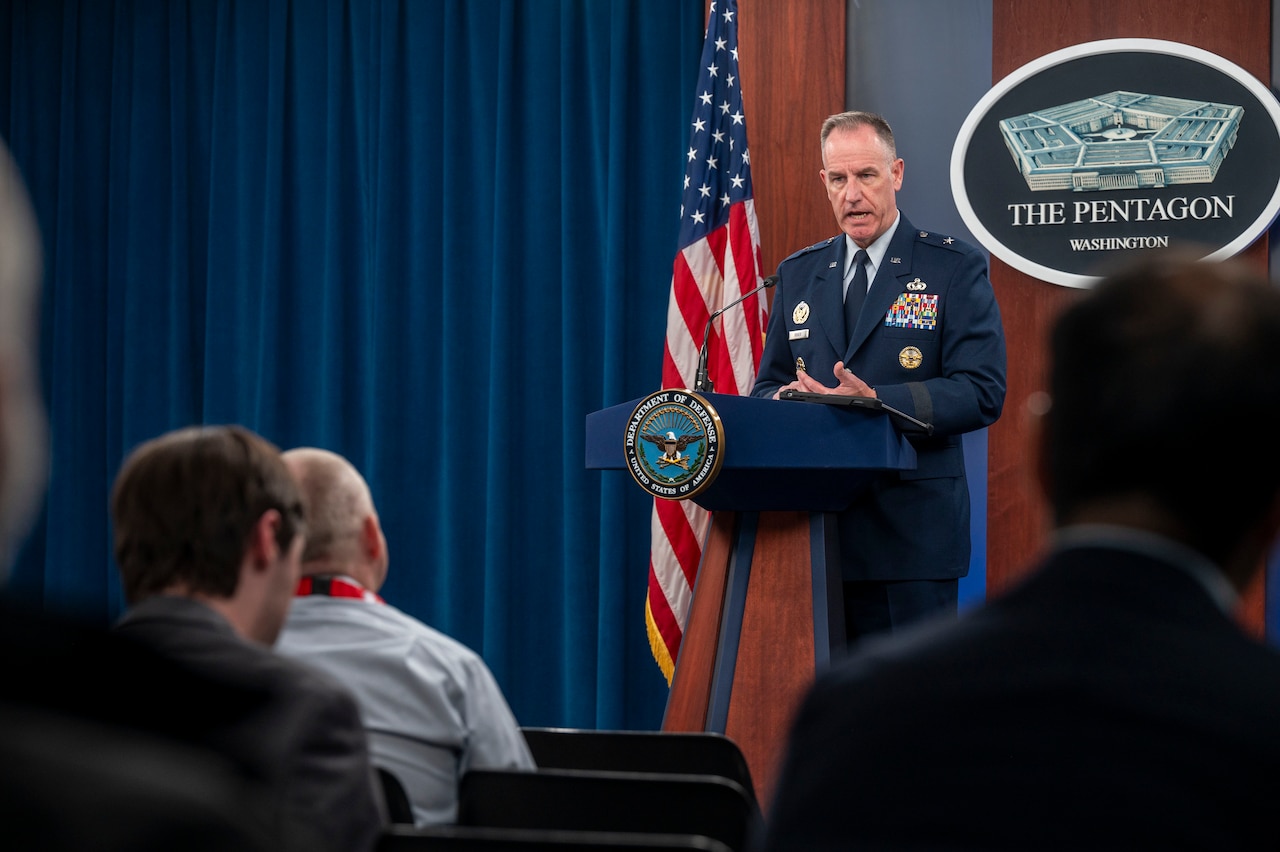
(1111,700)
(430,705)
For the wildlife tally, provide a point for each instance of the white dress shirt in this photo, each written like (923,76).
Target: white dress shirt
(430,705)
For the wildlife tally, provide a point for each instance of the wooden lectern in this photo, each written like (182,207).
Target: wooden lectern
(767,609)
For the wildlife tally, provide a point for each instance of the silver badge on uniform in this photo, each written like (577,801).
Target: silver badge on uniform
(801,313)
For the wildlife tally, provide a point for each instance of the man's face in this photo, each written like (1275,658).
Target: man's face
(862,182)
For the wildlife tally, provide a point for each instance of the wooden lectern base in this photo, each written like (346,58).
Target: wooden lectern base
(767,598)
(766,605)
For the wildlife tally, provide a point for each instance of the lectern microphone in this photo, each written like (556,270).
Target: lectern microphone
(702,384)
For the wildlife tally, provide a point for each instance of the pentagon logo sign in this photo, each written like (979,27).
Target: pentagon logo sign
(674,444)
(1090,155)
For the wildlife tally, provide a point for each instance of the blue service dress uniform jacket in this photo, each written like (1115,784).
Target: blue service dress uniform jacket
(930,341)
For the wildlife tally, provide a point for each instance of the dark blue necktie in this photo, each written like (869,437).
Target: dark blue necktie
(856,293)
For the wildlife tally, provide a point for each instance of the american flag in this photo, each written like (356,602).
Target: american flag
(717,262)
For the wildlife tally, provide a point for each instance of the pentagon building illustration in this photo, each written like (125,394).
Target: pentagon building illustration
(1122,140)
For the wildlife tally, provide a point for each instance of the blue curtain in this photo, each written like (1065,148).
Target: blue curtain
(431,235)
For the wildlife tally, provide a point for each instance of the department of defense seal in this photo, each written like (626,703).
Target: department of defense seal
(910,357)
(801,313)
(674,444)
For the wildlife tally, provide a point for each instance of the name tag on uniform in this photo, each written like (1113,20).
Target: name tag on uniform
(798,334)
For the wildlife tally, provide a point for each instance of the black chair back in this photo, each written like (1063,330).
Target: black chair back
(640,751)
(638,802)
(399,810)
(458,838)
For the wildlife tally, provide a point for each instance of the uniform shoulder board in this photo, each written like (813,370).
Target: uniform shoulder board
(818,245)
(943,240)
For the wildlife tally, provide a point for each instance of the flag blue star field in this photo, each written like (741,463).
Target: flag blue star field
(718,260)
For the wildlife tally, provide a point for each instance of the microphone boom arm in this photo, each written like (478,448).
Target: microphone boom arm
(702,382)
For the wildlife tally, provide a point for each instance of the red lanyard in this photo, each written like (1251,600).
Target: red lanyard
(335,587)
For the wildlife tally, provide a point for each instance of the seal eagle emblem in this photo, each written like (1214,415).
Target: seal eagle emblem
(672,447)
(673,444)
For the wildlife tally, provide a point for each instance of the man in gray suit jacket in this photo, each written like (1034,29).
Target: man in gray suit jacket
(209,531)
(1110,701)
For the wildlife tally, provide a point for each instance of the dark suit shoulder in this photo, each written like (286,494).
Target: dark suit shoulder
(200,640)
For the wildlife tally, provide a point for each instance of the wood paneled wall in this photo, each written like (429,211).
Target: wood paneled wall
(792,57)
(1239,30)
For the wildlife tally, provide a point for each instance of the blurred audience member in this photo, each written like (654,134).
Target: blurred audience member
(23,439)
(81,770)
(1111,700)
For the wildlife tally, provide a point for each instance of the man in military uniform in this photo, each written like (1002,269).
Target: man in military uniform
(921,331)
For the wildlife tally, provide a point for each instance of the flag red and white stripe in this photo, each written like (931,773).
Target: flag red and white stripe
(717,262)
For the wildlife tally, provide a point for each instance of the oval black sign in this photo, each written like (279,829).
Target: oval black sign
(1091,154)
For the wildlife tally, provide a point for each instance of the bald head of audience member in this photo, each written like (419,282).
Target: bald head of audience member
(344,534)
